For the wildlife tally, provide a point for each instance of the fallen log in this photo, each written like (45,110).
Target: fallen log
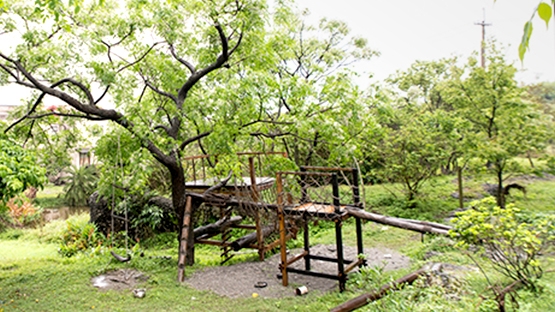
(251,238)
(364,299)
(396,222)
(217,227)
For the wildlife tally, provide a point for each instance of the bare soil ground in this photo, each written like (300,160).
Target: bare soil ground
(240,280)
(119,279)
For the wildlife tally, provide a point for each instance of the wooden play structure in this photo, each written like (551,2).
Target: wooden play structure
(246,192)
(271,205)
(316,202)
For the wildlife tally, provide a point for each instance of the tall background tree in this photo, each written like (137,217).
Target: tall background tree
(505,126)
(135,63)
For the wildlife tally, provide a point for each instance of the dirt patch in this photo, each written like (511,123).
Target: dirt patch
(240,280)
(119,279)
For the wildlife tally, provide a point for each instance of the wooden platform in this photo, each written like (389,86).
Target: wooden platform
(315,209)
(243,185)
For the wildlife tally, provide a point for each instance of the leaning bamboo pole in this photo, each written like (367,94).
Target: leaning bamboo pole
(397,222)
(364,299)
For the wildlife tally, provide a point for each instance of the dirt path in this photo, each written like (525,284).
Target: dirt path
(239,280)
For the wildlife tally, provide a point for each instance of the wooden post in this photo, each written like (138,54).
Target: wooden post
(184,239)
(306,243)
(282,230)
(338,233)
(358,222)
(255,197)
(194,170)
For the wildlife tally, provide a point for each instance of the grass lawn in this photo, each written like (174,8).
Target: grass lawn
(34,277)
(51,196)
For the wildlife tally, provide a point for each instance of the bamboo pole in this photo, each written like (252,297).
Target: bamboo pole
(364,299)
(396,222)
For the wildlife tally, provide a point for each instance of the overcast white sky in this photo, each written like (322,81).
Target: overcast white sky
(407,30)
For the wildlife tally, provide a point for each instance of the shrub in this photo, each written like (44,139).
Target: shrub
(79,235)
(511,245)
(80,185)
(21,212)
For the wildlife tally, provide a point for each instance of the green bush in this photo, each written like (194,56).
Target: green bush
(509,244)
(80,235)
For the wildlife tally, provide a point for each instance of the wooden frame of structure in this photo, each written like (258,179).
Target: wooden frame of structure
(250,187)
(335,212)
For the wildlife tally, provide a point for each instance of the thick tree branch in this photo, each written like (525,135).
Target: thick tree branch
(193,139)
(41,97)
(194,78)
(189,66)
(158,91)
(102,95)
(163,127)
(89,111)
(88,117)
(139,59)
(271,135)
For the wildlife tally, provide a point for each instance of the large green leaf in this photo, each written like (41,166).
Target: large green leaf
(523,47)
(545,12)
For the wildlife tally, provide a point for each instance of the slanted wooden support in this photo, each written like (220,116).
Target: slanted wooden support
(397,222)
(217,227)
(364,299)
(184,239)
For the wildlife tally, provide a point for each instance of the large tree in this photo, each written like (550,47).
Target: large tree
(302,91)
(138,64)
(504,125)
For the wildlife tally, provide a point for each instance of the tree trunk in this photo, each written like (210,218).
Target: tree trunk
(179,202)
(500,196)
(217,227)
(460,186)
(251,238)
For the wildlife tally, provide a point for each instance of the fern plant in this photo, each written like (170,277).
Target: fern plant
(80,184)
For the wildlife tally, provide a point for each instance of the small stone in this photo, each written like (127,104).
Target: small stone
(387,256)
(139,293)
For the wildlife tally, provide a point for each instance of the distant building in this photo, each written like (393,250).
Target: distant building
(5,110)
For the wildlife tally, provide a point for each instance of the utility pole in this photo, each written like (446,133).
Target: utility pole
(483,48)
